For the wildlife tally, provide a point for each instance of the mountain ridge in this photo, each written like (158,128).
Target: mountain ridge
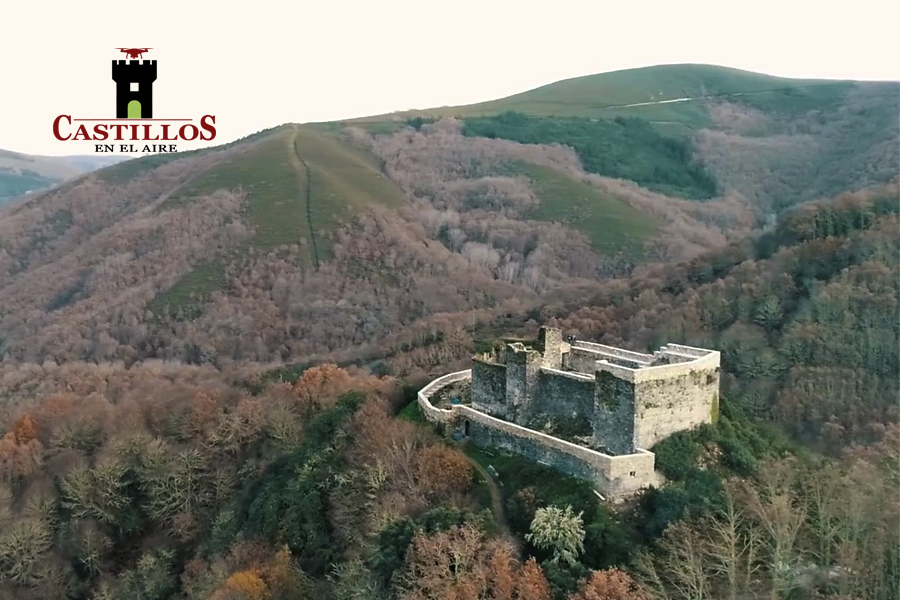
(626,87)
(310,231)
(23,173)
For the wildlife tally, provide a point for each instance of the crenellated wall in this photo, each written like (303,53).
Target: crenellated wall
(141,73)
(615,476)
(625,401)
(675,397)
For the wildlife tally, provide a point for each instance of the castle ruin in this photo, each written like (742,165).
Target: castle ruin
(586,409)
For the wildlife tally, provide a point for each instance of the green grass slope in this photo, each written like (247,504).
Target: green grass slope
(300,184)
(613,226)
(51,167)
(697,131)
(631,149)
(608,95)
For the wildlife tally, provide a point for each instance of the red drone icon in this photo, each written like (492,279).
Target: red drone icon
(134,52)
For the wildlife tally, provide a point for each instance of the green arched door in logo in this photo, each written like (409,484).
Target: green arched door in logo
(134,109)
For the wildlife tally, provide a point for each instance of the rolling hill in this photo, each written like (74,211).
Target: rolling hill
(303,239)
(659,93)
(364,236)
(174,422)
(23,173)
(776,141)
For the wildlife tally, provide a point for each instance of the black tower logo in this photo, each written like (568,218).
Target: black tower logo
(134,88)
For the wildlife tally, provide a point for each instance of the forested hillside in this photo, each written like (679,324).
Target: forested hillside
(695,131)
(168,481)
(210,359)
(165,480)
(805,317)
(294,244)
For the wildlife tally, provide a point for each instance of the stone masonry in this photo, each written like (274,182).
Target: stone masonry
(586,409)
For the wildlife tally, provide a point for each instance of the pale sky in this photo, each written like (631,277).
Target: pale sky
(260,63)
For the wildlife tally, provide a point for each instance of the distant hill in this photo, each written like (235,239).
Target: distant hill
(371,236)
(93,162)
(23,173)
(777,141)
(320,239)
(660,93)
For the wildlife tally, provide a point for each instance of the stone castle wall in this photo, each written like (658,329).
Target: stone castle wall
(489,387)
(675,397)
(614,476)
(625,401)
(523,368)
(671,396)
(613,414)
(552,347)
(565,398)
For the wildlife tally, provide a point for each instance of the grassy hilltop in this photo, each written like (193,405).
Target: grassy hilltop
(778,141)
(608,95)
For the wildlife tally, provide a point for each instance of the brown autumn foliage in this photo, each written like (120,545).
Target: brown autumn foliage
(460,251)
(826,530)
(460,564)
(441,471)
(244,584)
(396,468)
(21,453)
(532,584)
(251,570)
(320,386)
(776,160)
(24,430)
(610,584)
(187,435)
(442,171)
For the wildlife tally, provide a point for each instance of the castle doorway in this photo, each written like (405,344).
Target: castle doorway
(134,109)
(466,429)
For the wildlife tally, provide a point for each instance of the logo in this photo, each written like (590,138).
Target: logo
(134,85)
(134,80)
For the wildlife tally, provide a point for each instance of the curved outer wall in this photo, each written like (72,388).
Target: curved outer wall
(614,476)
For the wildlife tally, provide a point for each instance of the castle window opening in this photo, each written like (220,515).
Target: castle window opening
(466,429)
(632,473)
(135,86)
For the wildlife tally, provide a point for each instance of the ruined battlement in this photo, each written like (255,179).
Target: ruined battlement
(614,402)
